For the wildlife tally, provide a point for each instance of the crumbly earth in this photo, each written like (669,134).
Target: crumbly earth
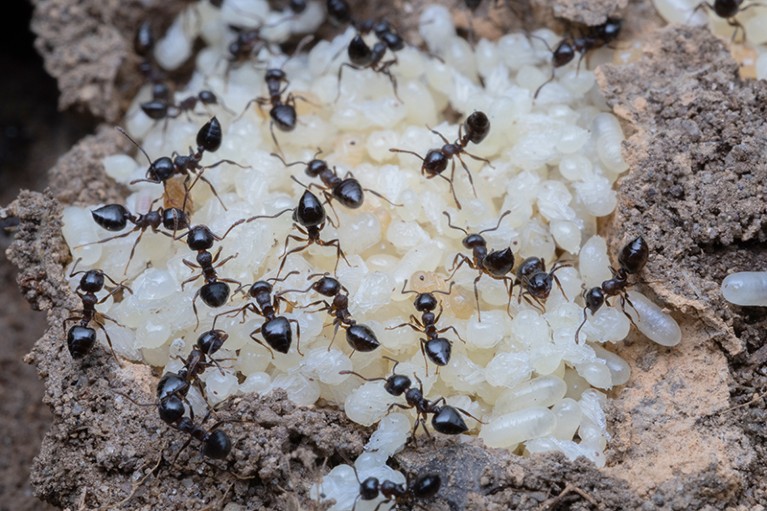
(687,432)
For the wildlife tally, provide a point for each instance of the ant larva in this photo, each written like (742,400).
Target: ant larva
(474,129)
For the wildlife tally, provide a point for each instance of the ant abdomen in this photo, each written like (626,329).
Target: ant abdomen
(80,340)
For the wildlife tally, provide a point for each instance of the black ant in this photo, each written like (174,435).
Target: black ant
(81,337)
(727,10)
(422,488)
(536,282)
(347,191)
(446,419)
(215,442)
(115,217)
(143,45)
(360,337)
(437,348)
(163,108)
(496,263)
(631,260)
(362,56)
(474,129)
(275,329)
(215,291)
(591,39)
(309,219)
(209,139)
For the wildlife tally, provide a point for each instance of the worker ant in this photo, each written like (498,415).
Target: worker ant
(496,263)
(631,260)
(215,291)
(115,217)
(474,129)
(422,488)
(81,337)
(339,12)
(591,38)
(362,56)
(347,191)
(209,139)
(309,219)
(436,348)
(275,329)
(536,282)
(445,419)
(360,337)
(163,108)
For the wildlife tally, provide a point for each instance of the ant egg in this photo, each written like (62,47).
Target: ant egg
(650,319)
(746,288)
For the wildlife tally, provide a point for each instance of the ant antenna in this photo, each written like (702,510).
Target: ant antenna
(284,278)
(505,213)
(404,285)
(449,289)
(134,143)
(450,224)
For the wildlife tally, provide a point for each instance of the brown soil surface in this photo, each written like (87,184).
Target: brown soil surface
(687,433)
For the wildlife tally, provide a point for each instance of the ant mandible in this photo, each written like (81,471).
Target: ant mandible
(496,264)
(275,329)
(631,260)
(474,129)
(215,291)
(115,217)
(81,337)
(436,348)
(359,337)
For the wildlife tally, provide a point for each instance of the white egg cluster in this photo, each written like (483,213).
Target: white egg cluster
(748,25)
(554,162)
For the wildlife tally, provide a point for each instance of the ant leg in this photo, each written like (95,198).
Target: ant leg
(475,158)
(274,137)
(229,162)
(236,311)
(109,340)
(257,101)
(440,135)
(298,335)
(339,253)
(468,414)
(297,249)
(210,185)
(194,308)
(385,70)
(257,217)
(625,300)
(476,297)
(411,325)
(191,279)
(452,189)
(423,353)
(259,341)
(123,235)
(454,269)
(578,331)
(454,331)
(133,251)
(382,197)
(340,76)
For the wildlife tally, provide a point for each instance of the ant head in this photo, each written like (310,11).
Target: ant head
(427,486)
(275,74)
(397,384)
(359,52)
(174,219)
(595,298)
(477,126)
(434,162)
(112,217)
(563,54)
(474,240)
(425,302)
(161,169)
(259,288)
(530,267)
(539,285)
(315,167)
(80,340)
(92,281)
(339,12)
(200,238)
(211,341)
(209,137)
(160,91)
(310,212)
(369,488)
(327,286)
(611,29)
(207,97)
(216,445)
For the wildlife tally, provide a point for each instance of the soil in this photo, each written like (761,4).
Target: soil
(688,429)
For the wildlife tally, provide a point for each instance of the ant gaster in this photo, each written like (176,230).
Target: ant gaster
(275,329)
(474,129)
(81,337)
(445,419)
(631,260)
(436,348)
(496,263)
(115,217)
(359,337)
(215,291)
